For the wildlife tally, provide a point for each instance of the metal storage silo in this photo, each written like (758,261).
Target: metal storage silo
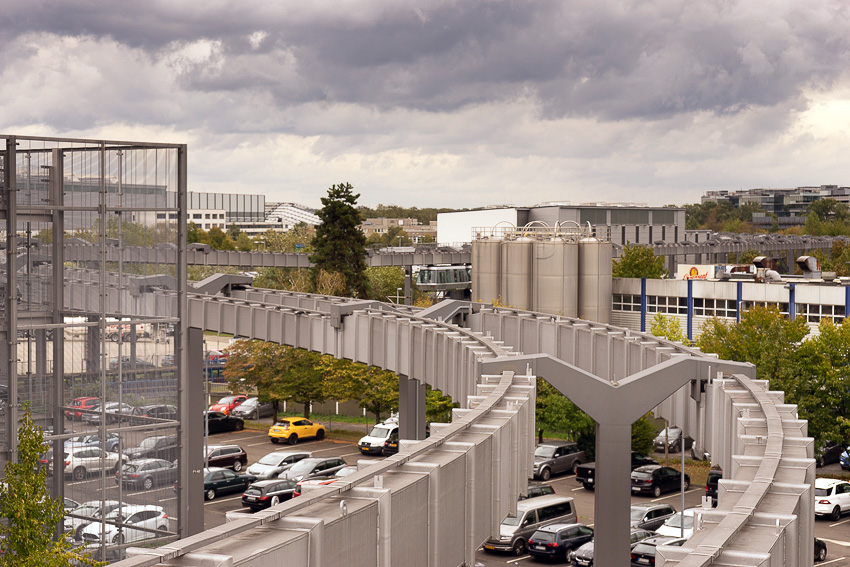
(515,280)
(594,280)
(555,276)
(486,265)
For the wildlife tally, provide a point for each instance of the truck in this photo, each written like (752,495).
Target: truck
(586,473)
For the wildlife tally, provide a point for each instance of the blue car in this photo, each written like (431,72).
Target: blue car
(844,459)
(94,440)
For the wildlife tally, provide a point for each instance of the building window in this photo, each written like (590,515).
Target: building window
(160,216)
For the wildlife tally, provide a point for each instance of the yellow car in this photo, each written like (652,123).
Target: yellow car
(291,429)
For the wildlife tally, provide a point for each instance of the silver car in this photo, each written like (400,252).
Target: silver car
(275,463)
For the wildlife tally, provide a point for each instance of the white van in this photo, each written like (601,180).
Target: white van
(531,514)
(373,444)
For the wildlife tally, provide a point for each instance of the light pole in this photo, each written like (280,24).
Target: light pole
(207,412)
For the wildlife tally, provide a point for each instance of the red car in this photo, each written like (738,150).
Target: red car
(85,403)
(226,404)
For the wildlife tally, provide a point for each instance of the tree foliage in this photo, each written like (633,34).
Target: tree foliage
(721,216)
(30,514)
(424,216)
(375,389)
(339,245)
(638,261)
(668,328)
(394,236)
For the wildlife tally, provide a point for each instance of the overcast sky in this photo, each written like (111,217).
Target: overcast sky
(447,104)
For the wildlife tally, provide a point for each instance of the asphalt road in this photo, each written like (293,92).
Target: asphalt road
(256,444)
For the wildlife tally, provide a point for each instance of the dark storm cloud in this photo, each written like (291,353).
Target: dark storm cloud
(610,60)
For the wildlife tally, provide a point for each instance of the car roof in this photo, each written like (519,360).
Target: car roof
(264,483)
(827,482)
(648,468)
(144,461)
(133,508)
(557,527)
(555,443)
(648,505)
(229,445)
(540,501)
(288,453)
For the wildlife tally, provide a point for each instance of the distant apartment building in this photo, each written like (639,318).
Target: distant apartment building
(788,205)
(414,229)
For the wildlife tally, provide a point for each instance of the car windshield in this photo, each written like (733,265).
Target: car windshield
(823,491)
(544,451)
(672,432)
(129,468)
(379,432)
(251,490)
(644,549)
(85,511)
(270,459)
(676,522)
(511,521)
(148,442)
(636,514)
(250,402)
(227,400)
(302,466)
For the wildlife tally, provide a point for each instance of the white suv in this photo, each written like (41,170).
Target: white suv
(832,497)
(79,461)
(131,519)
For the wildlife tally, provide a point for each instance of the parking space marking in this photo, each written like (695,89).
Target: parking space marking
(677,494)
(836,542)
(518,559)
(832,561)
(579,488)
(217,500)
(839,523)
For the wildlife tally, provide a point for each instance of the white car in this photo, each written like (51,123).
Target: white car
(832,497)
(673,526)
(275,463)
(80,461)
(78,518)
(131,518)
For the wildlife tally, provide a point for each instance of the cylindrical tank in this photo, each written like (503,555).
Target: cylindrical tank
(486,265)
(516,272)
(594,280)
(555,277)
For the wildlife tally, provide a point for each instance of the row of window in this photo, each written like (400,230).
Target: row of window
(705,307)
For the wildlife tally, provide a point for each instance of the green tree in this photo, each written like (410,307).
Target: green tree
(384,282)
(668,328)
(194,234)
(376,390)
(26,537)
(339,245)
(296,239)
(643,435)
(244,242)
(219,240)
(638,261)
(438,407)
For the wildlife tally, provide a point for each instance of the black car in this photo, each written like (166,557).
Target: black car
(155,411)
(266,493)
(583,555)
(714,475)
(218,422)
(639,460)
(253,408)
(166,447)
(225,481)
(828,452)
(820,550)
(655,479)
(147,473)
(555,541)
(650,516)
(643,553)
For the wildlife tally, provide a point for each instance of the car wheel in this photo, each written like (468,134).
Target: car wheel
(162,528)
(293,439)
(80,473)
(78,535)
(237,466)
(687,484)
(656,491)
(819,462)
(275,440)
(118,539)
(275,501)
(210,494)
(587,486)
(113,337)
(836,514)
(821,554)
(320,434)
(575,467)
(519,547)
(239,426)
(256,415)
(147,483)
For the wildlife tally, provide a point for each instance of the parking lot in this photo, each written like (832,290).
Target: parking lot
(256,444)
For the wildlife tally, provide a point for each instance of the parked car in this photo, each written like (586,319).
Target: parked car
(655,479)
(671,437)
(218,422)
(227,404)
(643,553)
(832,498)
(146,473)
(531,515)
(156,411)
(113,441)
(554,457)
(673,526)
(76,406)
(266,493)
(165,447)
(583,555)
(844,459)
(84,514)
(828,452)
(323,480)
(313,467)
(253,408)
(586,473)
(224,481)
(116,412)
(130,518)
(80,461)
(271,465)
(714,476)
(555,541)
(69,504)
(650,516)
(226,456)
(820,550)
(374,442)
(538,489)
(167,360)
(291,429)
